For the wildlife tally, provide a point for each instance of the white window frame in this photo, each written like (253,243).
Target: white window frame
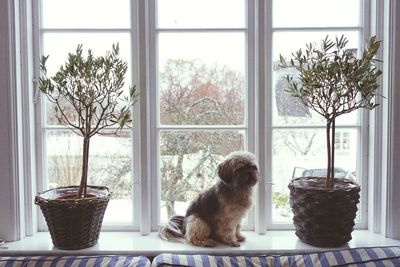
(148,77)
(361,126)
(383,198)
(42,127)
(249,120)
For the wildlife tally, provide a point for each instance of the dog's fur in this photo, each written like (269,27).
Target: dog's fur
(215,215)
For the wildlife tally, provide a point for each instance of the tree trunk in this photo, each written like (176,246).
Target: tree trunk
(329,154)
(179,168)
(85,163)
(333,154)
(330,143)
(170,208)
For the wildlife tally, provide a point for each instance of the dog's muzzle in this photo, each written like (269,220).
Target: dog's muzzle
(253,179)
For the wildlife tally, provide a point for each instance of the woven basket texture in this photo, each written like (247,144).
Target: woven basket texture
(74,223)
(324,217)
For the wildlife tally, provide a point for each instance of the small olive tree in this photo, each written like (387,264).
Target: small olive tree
(88,97)
(332,82)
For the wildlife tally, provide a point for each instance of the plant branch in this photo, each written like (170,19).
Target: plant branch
(333,82)
(88,90)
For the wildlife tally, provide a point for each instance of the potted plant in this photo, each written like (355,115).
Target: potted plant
(87,93)
(332,82)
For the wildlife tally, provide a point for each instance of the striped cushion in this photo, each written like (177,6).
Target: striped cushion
(75,261)
(379,256)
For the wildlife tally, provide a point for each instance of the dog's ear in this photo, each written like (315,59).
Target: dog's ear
(225,172)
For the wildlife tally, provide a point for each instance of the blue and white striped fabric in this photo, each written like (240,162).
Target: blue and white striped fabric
(75,261)
(360,257)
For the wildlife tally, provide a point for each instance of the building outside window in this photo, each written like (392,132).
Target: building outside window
(342,141)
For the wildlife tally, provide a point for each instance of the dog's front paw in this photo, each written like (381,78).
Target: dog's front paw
(204,243)
(241,238)
(208,243)
(235,244)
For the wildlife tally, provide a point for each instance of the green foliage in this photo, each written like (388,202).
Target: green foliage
(88,91)
(332,81)
(280,200)
(88,96)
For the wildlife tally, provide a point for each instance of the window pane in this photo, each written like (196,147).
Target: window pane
(110,164)
(86,14)
(316,13)
(221,49)
(58,45)
(201,13)
(286,109)
(301,152)
(188,162)
(201,78)
(286,43)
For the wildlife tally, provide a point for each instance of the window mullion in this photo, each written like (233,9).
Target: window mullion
(151,111)
(250,100)
(186,30)
(362,161)
(263,48)
(316,29)
(376,158)
(280,127)
(39,109)
(201,127)
(136,149)
(83,30)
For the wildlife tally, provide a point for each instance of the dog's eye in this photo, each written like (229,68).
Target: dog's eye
(246,168)
(253,168)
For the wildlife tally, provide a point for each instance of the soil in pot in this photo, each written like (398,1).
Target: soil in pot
(74,197)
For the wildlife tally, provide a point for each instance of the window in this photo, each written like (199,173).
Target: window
(202,94)
(111,158)
(342,141)
(298,133)
(201,84)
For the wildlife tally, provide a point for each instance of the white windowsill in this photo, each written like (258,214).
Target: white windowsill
(133,243)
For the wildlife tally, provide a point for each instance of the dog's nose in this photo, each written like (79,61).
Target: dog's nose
(253,179)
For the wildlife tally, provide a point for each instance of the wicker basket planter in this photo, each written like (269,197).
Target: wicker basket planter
(74,223)
(324,217)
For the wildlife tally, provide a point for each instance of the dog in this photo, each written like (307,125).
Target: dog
(215,214)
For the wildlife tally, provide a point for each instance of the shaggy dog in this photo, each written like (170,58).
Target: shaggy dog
(215,215)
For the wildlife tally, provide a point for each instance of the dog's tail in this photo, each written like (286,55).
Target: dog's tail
(173,230)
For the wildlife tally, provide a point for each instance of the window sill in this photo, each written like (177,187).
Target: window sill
(133,243)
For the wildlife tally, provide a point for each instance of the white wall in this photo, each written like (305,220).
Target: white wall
(9,218)
(392,197)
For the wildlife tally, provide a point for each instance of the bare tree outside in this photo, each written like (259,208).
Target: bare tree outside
(192,93)
(64,168)
(289,109)
(107,167)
